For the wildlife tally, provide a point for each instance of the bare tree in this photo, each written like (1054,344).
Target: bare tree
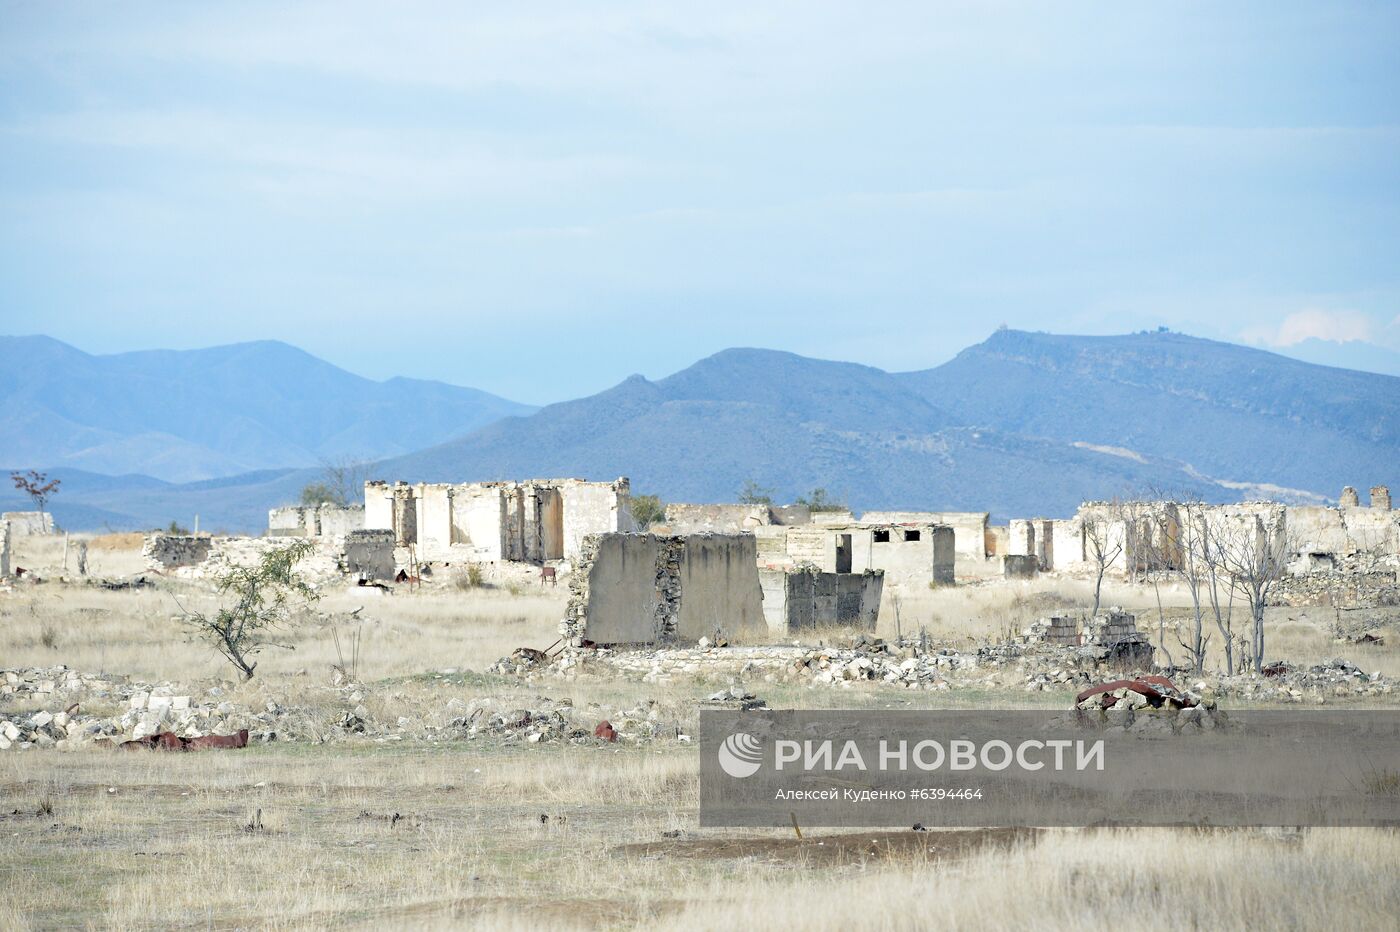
(342,480)
(37,485)
(1101,546)
(1253,550)
(262,596)
(1184,528)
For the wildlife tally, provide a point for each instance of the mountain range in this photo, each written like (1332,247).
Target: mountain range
(1022,424)
(190,415)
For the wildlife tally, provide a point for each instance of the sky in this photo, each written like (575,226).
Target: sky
(542,199)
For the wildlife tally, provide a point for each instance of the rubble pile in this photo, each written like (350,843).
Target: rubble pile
(60,708)
(76,707)
(866,660)
(558,720)
(1317,684)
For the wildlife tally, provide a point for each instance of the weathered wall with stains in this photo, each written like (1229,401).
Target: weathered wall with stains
(654,589)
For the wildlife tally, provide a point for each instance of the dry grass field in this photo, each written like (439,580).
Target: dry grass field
(430,833)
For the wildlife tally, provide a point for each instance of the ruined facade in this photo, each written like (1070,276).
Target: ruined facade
(730,519)
(324,520)
(165,552)
(29,523)
(656,589)
(913,554)
(971,541)
(535,522)
(806,598)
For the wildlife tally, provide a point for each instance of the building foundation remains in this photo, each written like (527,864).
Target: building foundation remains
(655,589)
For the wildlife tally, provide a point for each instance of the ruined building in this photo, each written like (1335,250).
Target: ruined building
(653,589)
(536,521)
(913,554)
(324,520)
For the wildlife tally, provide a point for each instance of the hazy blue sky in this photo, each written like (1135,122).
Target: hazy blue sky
(539,199)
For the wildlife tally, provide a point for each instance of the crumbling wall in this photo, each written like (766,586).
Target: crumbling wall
(29,523)
(286,522)
(534,521)
(911,555)
(1056,631)
(324,520)
(593,508)
(369,554)
(814,599)
(807,545)
(379,506)
(165,552)
(969,529)
(684,518)
(652,589)
(1019,566)
(719,587)
(4,548)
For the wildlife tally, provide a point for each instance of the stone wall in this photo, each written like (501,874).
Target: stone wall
(4,548)
(29,523)
(727,519)
(165,552)
(1056,630)
(370,554)
(911,555)
(653,589)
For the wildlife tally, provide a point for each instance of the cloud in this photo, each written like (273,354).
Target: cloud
(1314,324)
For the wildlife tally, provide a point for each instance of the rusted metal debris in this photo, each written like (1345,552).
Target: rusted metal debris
(1157,690)
(169,741)
(605,731)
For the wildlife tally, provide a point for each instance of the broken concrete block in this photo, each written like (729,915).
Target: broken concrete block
(40,719)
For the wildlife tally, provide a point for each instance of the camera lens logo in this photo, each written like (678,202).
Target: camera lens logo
(741,755)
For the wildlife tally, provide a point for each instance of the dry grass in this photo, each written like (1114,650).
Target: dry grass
(145,841)
(169,849)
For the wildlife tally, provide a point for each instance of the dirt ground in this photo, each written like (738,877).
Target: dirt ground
(432,833)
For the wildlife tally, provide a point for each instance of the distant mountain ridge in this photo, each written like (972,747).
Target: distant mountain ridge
(183,415)
(1023,424)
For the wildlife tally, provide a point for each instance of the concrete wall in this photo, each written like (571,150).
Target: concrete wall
(650,589)
(1019,566)
(719,588)
(4,547)
(813,599)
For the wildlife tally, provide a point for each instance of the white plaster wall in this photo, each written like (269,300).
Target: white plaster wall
(434,504)
(969,528)
(379,507)
(592,508)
